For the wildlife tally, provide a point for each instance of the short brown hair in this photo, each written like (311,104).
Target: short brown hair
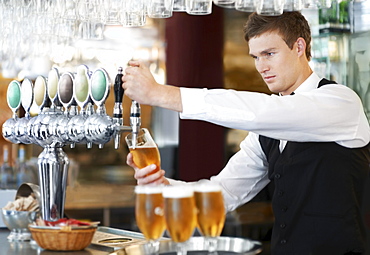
(290,26)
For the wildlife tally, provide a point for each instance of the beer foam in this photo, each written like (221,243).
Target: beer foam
(207,187)
(138,146)
(148,189)
(178,191)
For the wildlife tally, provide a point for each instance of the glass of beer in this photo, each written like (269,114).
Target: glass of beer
(211,212)
(144,150)
(149,214)
(180,214)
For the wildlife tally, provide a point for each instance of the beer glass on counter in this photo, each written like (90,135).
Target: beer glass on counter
(180,214)
(144,151)
(149,214)
(211,213)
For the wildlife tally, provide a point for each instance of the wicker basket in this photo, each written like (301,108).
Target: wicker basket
(62,239)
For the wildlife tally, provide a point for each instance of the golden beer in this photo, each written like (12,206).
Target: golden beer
(180,213)
(144,150)
(211,212)
(144,156)
(149,211)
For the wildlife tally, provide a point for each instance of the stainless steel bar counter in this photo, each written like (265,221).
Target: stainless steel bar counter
(134,244)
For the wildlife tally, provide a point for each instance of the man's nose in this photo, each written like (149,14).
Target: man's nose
(261,65)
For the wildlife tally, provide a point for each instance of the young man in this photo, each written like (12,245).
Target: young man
(312,140)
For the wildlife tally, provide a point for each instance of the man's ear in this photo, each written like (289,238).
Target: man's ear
(301,46)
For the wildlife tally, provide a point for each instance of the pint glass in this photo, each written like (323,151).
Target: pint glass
(149,214)
(211,212)
(145,152)
(211,209)
(179,213)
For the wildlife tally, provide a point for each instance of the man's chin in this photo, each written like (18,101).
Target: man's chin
(273,87)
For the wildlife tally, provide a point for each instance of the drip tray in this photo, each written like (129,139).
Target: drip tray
(197,246)
(111,239)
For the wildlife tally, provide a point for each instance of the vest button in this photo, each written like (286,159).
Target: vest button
(283,241)
(284,209)
(280,193)
(277,176)
(282,225)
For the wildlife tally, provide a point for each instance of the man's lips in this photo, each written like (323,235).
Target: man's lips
(268,77)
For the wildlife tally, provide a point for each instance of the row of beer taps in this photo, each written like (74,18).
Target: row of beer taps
(66,116)
(59,122)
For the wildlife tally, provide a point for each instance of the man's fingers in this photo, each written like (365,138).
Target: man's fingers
(130,161)
(142,173)
(147,179)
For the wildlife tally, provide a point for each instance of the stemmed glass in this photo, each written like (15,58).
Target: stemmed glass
(211,213)
(180,214)
(144,149)
(149,214)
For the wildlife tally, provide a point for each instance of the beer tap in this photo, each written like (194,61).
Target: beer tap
(26,101)
(52,86)
(99,127)
(117,110)
(56,107)
(40,101)
(81,95)
(65,94)
(40,128)
(135,121)
(14,102)
(27,96)
(41,92)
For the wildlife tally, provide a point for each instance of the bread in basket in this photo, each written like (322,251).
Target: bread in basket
(66,235)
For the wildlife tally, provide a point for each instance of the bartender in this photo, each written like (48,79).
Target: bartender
(311,140)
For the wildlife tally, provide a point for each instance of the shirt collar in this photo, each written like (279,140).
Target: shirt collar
(309,84)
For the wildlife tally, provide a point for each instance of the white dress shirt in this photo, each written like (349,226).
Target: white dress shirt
(333,113)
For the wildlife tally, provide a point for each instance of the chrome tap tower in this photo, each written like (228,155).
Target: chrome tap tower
(71,110)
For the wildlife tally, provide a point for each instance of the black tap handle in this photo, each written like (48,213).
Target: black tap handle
(118,95)
(118,90)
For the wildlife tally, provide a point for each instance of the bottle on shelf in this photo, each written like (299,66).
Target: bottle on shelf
(24,173)
(7,180)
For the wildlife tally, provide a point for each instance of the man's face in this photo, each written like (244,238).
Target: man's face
(275,61)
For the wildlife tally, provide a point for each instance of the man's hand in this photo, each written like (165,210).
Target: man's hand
(139,85)
(142,175)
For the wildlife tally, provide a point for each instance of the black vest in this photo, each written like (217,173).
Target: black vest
(318,195)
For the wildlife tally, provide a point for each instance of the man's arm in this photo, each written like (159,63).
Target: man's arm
(242,178)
